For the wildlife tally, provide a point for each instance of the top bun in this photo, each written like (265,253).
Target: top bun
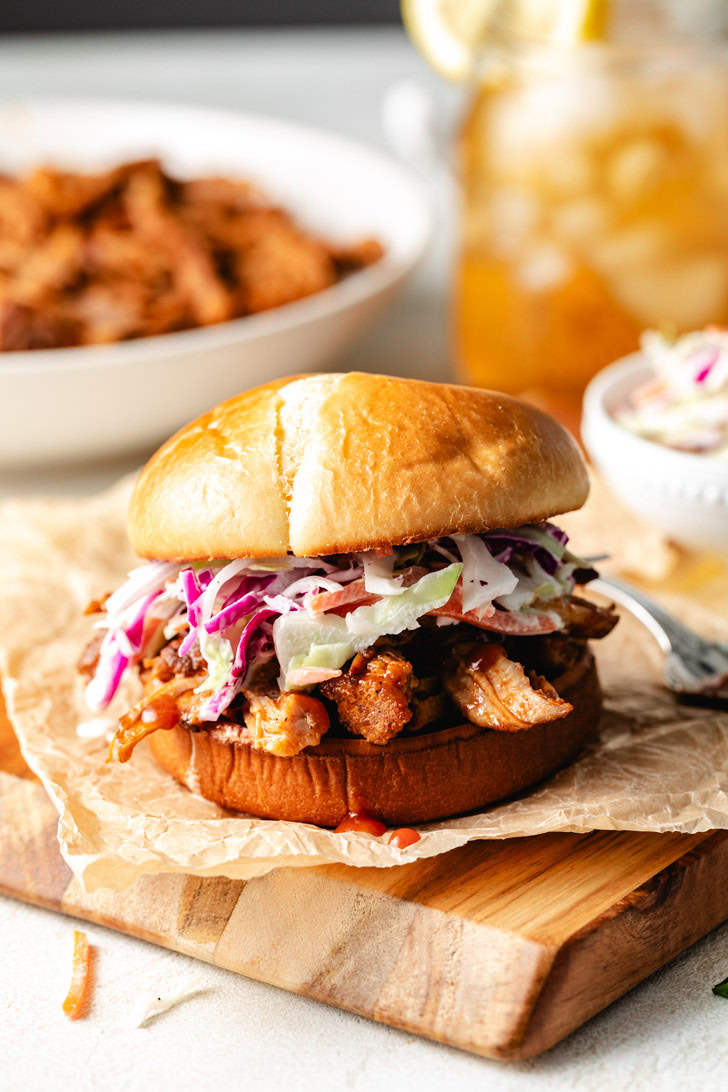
(326,464)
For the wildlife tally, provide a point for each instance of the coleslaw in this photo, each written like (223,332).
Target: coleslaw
(314,614)
(685,404)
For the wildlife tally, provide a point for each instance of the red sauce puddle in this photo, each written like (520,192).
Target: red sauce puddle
(365,823)
(403,837)
(361,821)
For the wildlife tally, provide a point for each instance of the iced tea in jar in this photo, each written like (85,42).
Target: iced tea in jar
(594,193)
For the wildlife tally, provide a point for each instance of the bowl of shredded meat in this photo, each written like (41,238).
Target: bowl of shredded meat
(155,258)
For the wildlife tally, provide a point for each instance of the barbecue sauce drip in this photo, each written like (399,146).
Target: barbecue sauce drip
(162,712)
(362,822)
(403,837)
(485,656)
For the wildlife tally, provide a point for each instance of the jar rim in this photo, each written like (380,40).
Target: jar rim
(503,55)
(632,25)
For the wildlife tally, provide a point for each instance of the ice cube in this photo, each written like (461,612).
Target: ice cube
(581,220)
(545,266)
(641,246)
(687,294)
(569,171)
(541,120)
(698,104)
(514,216)
(635,168)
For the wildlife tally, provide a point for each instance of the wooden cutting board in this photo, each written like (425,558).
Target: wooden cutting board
(501,948)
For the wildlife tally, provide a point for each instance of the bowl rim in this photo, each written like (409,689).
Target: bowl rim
(366,284)
(595,414)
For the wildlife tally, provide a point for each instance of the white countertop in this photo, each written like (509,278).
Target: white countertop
(670,1033)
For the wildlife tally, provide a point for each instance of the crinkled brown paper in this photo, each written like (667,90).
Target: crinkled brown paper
(658,766)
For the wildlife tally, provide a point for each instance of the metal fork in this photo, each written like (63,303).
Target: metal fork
(692,665)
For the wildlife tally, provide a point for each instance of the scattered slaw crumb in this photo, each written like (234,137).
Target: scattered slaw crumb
(155,1005)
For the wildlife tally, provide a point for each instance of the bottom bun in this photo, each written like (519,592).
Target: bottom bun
(411,779)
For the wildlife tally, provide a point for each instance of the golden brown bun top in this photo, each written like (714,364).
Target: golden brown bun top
(331,463)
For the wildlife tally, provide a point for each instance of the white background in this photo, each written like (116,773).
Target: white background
(670,1033)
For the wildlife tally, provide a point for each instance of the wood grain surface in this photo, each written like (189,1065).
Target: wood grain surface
(500,948)
(11,760)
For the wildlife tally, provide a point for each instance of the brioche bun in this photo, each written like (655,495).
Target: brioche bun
(325,464)
(412,779)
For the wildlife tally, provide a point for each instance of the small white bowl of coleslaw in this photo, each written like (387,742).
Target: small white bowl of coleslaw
(656,425)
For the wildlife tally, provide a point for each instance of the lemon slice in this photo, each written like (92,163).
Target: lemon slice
(449,33)
(579,21)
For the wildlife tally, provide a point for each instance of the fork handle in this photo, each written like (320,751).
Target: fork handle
(692,664)
(669,633)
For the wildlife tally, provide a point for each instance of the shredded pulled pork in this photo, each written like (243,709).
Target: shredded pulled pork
(163,708)
(168,663)
(428,701)
(87,259)
(550,656)
(89,658)
(284,723)
(494,692)
(280,722)
(581,618)
(372,698)
(400,684)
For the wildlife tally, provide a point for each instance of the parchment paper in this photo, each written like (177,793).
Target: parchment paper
(658,766)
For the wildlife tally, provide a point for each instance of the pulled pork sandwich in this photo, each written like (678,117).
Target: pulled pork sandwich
(355,601)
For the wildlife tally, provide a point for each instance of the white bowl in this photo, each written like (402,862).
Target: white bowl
(92,401)
(683,494)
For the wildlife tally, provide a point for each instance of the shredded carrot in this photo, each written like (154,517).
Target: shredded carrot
(75,1004)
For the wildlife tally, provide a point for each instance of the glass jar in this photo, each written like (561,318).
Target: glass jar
(595,196)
